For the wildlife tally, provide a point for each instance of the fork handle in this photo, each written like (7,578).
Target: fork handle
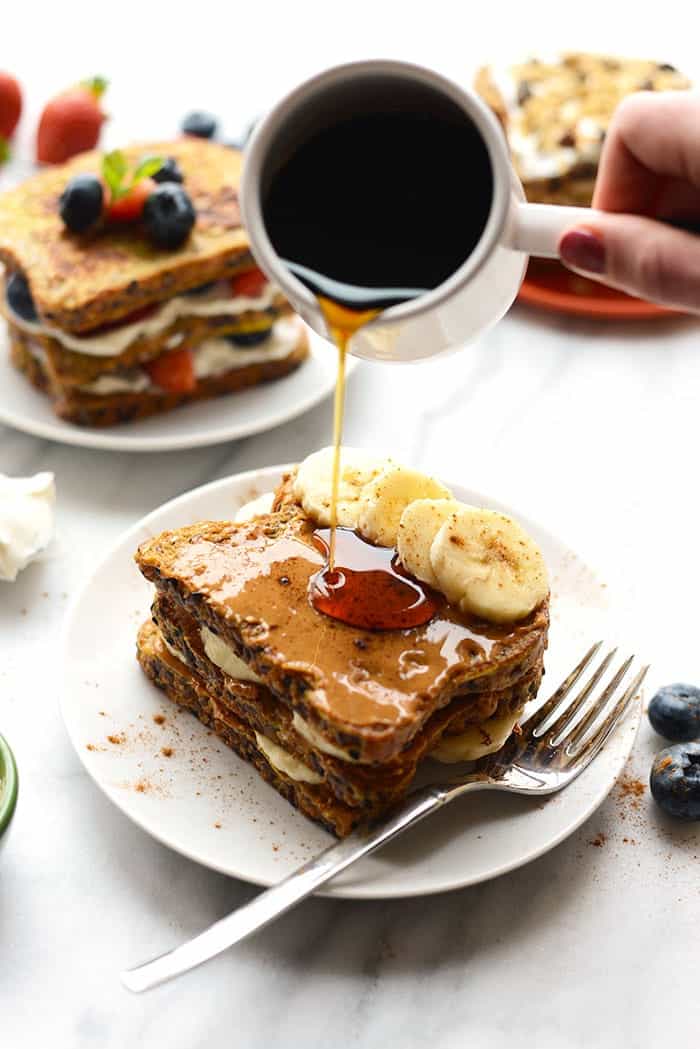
(297,886)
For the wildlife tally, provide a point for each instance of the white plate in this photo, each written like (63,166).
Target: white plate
(209,805)
(208,422)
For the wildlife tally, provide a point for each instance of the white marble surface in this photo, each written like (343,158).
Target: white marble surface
(591,427)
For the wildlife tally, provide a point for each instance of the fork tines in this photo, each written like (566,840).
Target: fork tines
(583,722)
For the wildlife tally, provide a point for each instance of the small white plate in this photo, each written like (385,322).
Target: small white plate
(179,783)
(208,422)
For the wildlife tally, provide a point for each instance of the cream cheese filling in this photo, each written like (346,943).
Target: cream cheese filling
(136,381)
(477,741)
(211,358)
(285,762)
(223,656)
(112,343)
(217,356)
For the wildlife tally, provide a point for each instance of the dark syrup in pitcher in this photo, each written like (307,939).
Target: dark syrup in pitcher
(376,206)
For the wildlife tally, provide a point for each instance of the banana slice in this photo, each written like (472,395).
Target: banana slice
(314,480)
(385,498)
(477,740)
(488,565)
(419,524)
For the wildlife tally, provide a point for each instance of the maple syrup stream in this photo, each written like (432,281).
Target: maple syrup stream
(361,584)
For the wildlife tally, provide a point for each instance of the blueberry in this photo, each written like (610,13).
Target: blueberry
(168,215)
(81,203)
(675,712)
(249,338)
(200,124)
(675,780)
(19,297)
(169,172)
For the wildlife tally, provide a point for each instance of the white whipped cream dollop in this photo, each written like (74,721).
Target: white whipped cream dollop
(26,520)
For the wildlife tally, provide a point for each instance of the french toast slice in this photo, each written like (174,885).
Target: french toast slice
(555,112)
(248,585)
(79,283)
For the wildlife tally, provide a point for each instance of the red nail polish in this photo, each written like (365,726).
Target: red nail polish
(583,250)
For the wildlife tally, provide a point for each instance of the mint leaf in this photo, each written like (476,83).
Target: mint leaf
(4,150)
(147,167)
(113,171)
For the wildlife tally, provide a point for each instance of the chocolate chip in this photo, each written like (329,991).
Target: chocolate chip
(284,580)
(567,139)
(360,643)
(667,67)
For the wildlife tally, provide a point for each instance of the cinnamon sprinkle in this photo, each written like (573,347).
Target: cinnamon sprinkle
(630,789)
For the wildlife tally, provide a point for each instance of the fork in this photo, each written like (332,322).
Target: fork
(553,746)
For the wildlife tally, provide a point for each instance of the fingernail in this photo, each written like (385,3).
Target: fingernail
(583,249)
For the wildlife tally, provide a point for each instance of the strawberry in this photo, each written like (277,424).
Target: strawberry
(70,123)
(128,208)
(173,372)
(10,105)
(250,284)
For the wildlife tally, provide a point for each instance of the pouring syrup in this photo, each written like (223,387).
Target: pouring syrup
(365,216)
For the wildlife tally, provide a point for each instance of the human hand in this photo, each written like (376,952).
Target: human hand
(649,171)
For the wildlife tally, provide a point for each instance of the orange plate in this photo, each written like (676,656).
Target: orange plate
(551,286)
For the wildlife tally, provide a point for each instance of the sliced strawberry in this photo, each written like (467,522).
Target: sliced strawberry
(250,284)
(130,207)
(173,372)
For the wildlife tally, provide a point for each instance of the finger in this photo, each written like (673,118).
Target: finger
(652,138)
(639,256)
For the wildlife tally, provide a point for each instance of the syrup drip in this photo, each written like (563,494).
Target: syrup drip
(367,587)
(342,325)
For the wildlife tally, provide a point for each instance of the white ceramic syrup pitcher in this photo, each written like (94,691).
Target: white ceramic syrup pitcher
(477,294)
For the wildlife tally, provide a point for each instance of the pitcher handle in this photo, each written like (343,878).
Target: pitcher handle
(537,229)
